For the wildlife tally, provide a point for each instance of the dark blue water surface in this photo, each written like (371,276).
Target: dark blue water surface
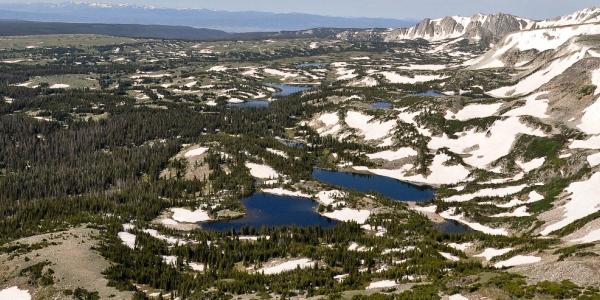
(311,65)
(289,89)
(388,187)
(429,94)
(381,105)
(292,143)
(452,227)
(267,210)
(252,104)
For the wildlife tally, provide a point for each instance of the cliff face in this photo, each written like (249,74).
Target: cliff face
(476,28)
(479,28)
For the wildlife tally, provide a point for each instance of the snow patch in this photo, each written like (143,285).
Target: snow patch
(594,159)
(533,107)
(391,155)
(519,212)
(460,247)
(490,253)
(127,238)
(590,237)
(14,293)
(261,171)
(457,297)
(450,215)
(596,81)
(449,256)
(487,192)
(289,265)
(382,284)
(59,86)
(277,152)
(284,192)
(195,152)
(349,215)
(590,123)
(518,261)
(485,147)
(532,164)
(591,143)
(423,67)
(583,201)
(370,129)
(329,197)
(473,111)
(184,215)
(440,172)
(394,77)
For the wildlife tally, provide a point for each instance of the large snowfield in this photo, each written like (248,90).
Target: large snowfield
(484,147)
(583,200)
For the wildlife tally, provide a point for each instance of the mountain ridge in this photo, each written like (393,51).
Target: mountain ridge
(247,21)
(481,28)
(11,27)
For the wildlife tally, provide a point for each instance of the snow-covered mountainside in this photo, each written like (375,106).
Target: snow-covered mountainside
(561,61)
(516,48)
(588,15)
(479,28)
(475,28)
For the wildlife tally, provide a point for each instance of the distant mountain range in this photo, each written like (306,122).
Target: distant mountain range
(21,28)
(248,21)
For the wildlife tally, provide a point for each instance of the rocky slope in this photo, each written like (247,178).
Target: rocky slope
(584,16)
(561,61)
(479,28)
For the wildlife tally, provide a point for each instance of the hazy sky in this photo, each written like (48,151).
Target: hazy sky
(408,9)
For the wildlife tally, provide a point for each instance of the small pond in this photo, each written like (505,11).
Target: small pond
(381,105)
(289,89)
(429,93)
(251,104)
(292,143)
(311,65)
(282,91)
(452,227)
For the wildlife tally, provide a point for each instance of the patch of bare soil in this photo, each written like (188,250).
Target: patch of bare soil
(70,256)
(582,270)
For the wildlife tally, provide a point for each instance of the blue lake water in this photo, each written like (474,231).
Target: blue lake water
(388,187)
(267,210)
(429,93)
(381,105)
(251,104)
(292,143)
(282,91)
(289,89)
(311,65)
(452,227)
